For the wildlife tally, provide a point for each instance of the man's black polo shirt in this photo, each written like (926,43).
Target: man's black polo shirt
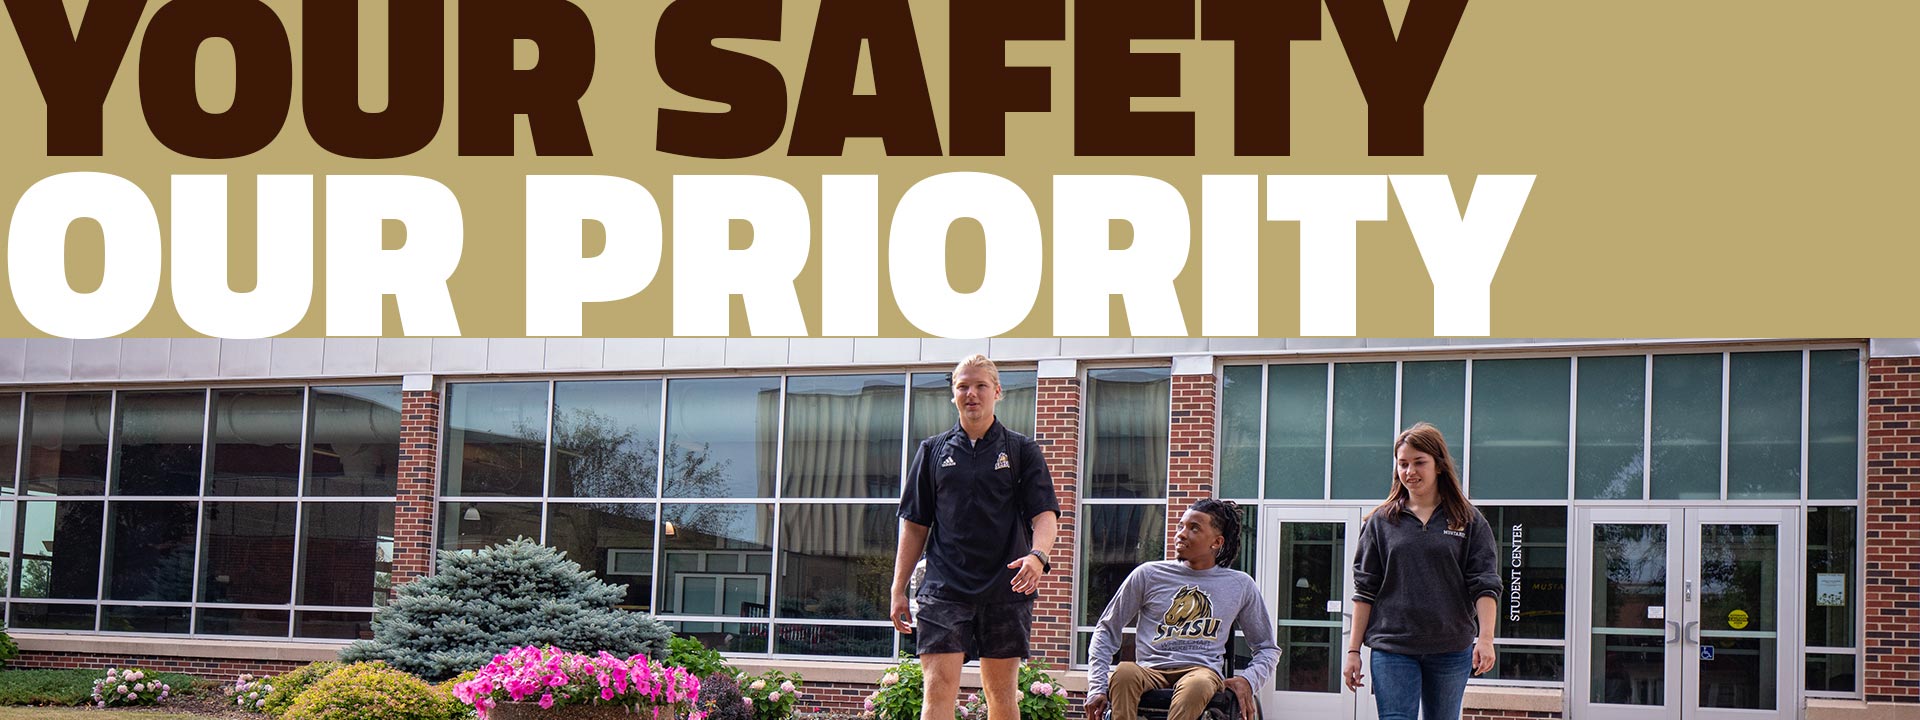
(979,500)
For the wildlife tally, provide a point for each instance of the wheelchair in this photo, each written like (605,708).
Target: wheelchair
(1155,704)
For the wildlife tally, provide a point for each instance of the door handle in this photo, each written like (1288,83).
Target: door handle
(1675,627)
(1346,623)
(1693,631)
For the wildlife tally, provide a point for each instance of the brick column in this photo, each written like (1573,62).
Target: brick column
(1892,590)
(1057,429)
(419,463)
(1190,439)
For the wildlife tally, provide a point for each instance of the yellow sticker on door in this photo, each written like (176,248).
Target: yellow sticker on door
(1737,619)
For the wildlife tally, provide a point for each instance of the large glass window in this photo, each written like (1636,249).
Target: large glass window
(256,442)
(246,553)
(1609,459)
(355,439)
(1531,545)
(844,436)
(346,554)
(67,443)
(1833,424)
(1435,392)
(836,561)
(1240,432)
(1297,431)
(1114,540)
(1124,513)
(721,436)
(1520,429)
(1363,430)
(1686,427)
(614,540)
(1832,598)
(932,410)
(9,442)
(204,508)
(496,438)
(59,550)
(158,443)
(1128,415)
(1763,425)
(150,551)
(700,532)
(606,438)
(717,559)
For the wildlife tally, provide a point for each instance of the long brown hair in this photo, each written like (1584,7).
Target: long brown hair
(1427,439)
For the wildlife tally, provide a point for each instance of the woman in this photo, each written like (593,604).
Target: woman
(1425,587)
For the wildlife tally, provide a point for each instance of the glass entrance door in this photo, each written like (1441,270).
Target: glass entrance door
(1685,613)
(1306,577)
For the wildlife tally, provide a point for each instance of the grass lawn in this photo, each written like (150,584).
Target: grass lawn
(61,713)
(63,688)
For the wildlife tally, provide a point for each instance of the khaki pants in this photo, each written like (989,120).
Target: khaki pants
(1193,687)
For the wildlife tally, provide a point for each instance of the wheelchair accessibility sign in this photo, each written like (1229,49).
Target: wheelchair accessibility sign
(1706,652)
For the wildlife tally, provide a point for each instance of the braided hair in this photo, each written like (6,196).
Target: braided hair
(1226,519)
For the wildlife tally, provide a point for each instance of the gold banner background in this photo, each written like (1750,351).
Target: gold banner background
(1705,168)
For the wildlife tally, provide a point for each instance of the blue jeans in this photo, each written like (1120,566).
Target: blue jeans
(1411,687)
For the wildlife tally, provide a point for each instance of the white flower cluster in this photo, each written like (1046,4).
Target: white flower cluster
(250,693)
(128,687)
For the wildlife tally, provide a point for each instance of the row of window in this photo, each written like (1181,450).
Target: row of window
(768,524)
(1742,426)
(261,512)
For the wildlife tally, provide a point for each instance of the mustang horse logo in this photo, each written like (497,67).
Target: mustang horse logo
(1189,617)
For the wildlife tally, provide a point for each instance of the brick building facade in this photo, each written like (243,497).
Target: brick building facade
(1198,403)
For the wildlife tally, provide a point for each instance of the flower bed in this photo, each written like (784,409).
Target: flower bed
(541,680)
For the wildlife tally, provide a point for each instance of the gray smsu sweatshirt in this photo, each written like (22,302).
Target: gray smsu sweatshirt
(1186,618)
(1422,580)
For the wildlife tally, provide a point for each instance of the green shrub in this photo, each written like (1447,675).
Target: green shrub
(901,694)
(129,687)
(369,691)
(773,693)
(1041,696)
(720,697)
(902,691)
(484,603)
(8,648)
(289,686)
(686,652)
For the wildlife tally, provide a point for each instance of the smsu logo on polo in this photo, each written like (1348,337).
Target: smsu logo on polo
(1001,462)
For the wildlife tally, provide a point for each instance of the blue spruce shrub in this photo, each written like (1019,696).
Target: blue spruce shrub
(482,603)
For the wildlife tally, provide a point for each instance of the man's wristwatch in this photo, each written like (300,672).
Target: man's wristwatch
(1045,567)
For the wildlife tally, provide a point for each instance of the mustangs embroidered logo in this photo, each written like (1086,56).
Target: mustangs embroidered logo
(1190,617)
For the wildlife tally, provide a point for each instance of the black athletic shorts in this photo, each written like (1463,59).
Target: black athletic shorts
(992,630)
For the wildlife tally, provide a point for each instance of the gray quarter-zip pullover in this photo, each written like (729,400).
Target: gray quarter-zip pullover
(1422,580)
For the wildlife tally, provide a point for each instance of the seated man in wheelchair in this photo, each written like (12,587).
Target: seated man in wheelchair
(1185,613)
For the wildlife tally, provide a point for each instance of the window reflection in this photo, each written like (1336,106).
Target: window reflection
(355,441)
(721,437)
(67,443)
(606,438)
(836,561)
(614,540)
(716,559)
(158,443)
(256,442)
